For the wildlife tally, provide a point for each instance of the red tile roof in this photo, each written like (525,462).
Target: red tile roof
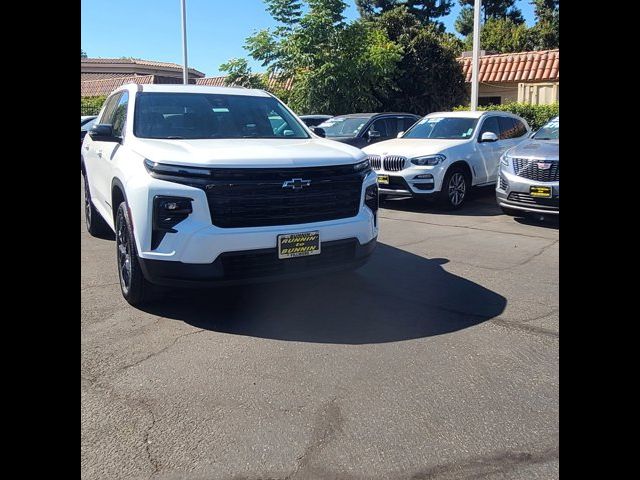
(136,61)
(542,66)
(94,88)
(211,81)
(218,81)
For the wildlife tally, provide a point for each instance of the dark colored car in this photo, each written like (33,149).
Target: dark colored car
(314,120)
(86,122)
(362,129)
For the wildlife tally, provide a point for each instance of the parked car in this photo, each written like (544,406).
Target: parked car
(86,122)
(362,129)
(202,187)
(314,120)
(446,153)
(530,174)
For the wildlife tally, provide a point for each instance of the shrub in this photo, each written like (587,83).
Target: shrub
(535,115)
(91,105)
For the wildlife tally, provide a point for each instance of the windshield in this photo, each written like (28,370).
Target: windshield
(550,131)
(445,128)
(343,126)
(200,115)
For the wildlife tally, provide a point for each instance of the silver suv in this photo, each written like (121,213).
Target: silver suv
(529,176)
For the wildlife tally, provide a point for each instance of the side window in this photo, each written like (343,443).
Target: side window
(393,126)
(380,126)
(507,128)
(490,125)
(520,128)
(120,115)
(407,123)
(110,106)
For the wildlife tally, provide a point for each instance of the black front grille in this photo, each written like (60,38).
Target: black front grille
(396,183)
(255,197)
(527,168)
(394,163)
(526,198)
(375,161)
(504,184)
(267,263)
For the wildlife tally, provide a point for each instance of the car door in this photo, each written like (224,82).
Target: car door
(105,151)
(92,153)
(486,155)
(380,125)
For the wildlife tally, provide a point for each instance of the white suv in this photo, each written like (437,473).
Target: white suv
(208,186)
(445,153)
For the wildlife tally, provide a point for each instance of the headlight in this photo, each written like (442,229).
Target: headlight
(364,166)
(504,160)
(166,169)
(428,160)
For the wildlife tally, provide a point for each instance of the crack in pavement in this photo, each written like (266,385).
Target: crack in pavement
(464,226)
(328,421)
(526,327)
(163,349)
(482,466)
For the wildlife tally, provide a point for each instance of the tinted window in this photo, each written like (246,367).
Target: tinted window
(407,123)
(520,128)
(381,125)
(120,115)
(446,128)
(199,115)
(507,128)
(344,126)
(490,125)
(110,105)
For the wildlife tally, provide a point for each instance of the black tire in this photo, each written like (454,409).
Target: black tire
(512,212)
(96,225)
(455,189)
(134,287)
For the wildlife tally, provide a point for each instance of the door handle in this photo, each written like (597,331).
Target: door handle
(99,153)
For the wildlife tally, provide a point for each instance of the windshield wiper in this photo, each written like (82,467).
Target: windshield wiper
(174,137)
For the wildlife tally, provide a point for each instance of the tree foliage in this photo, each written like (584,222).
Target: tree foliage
(535,115)
(428,77)
(546,31)
(239,74)
(426,11)
(496,9)
(83,54)
(502,35)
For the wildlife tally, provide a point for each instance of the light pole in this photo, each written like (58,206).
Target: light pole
(185,71)
(476,54)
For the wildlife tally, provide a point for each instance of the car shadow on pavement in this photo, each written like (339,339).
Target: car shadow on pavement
(544,221)
(396,296)
(481,202)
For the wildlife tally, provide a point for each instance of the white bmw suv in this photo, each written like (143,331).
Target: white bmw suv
(446,153)
(209,186)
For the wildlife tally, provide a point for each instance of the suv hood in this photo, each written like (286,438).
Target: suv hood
(412,147)
(537,149)
(247,152)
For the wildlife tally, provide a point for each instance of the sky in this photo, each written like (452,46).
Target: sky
(216,29)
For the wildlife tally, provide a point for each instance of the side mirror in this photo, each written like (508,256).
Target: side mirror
(373,134)
(399,134)
(103,132)
(318,131)
(489,137)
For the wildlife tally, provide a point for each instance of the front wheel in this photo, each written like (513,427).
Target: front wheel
(455,188)
(134,287)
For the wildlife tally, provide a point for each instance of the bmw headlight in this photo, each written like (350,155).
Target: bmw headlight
(428,160)
(364,166)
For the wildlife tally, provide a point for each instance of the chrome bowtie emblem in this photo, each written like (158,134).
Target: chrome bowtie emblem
(544,166)
(296,183)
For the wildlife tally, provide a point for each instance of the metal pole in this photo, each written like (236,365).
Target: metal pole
(476,55)
(185,71)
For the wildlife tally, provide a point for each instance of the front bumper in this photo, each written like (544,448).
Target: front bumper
(255,266)
(406,182)
(514,192)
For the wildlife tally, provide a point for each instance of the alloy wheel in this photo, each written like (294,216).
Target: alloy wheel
(457,189)
(124,252)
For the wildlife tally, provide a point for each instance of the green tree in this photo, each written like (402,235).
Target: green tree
(504,9)
(546,31)
(83,54)
(239,74)
(336,67)
(502,35)
(427,11)
(429,78)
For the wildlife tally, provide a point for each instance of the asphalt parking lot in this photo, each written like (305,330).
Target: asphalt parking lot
(437,360)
